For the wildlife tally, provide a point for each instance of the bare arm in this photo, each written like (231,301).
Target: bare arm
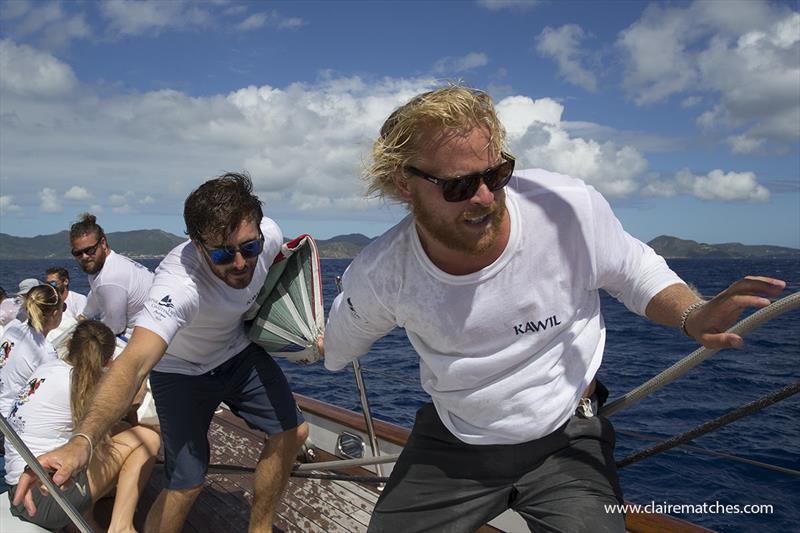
(707,324)
(114,395)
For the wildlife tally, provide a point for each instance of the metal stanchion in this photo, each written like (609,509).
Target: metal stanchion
(30,460)
(362,392)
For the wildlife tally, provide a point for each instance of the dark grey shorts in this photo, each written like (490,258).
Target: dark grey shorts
(49,514)
(251,383)
(560,482)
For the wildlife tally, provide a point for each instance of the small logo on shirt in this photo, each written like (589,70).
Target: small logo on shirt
(352,309)
(5,351)
(25,395)
(166,301)
(535,327)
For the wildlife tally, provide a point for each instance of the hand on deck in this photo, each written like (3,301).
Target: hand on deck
(64,461)
(708,323)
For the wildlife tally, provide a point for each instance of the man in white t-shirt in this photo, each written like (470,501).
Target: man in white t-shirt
(58,277)
(119,285)
(191,335)
(495,276)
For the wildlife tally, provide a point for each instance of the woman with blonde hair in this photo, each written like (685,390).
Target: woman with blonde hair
(24,347)
(46,411)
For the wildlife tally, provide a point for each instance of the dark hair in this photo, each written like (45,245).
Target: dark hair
(61,272)
(86,224)
(3,294)
(217,207)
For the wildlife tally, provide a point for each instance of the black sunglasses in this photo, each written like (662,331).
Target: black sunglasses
(89,250)
(226,254)
(462,188)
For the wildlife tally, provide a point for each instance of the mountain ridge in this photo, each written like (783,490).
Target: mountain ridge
(155,243)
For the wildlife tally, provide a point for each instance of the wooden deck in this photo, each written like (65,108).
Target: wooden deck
(308,505)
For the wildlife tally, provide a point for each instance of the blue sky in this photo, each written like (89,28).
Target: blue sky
(686,115)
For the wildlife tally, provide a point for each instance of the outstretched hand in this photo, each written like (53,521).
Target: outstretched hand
(64,462)
(709,323)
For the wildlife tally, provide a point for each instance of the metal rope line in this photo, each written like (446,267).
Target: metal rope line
(34,465)
(784,305)
(713,453)
(736,414)
(241,470)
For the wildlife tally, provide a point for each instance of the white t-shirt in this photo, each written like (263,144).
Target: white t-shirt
(505,352)
(22,351)
(197,314)
(76,302)
(9,309)
(41,414)
(118,292)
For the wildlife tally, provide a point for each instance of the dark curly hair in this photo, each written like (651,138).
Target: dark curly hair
(87,224)
(217,207)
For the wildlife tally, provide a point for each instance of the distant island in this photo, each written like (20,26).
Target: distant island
(149,244)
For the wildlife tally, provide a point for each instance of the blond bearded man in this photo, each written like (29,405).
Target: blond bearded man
(495,275)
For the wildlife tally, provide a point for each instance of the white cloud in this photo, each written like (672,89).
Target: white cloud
(50,201)
(7,205)
(744,54)
(273,18)
(742,144)
(497,5)
(135,17)
(77,193)
(564,46)
(27,71)
(48,22)
(537,136)
(290,23)
(691,101)
(254,21)
(719,185)
(461,64)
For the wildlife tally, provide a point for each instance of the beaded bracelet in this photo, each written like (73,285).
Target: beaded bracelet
(687,312)
(91,446)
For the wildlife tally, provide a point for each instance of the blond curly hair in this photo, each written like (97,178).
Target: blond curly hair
(410,129)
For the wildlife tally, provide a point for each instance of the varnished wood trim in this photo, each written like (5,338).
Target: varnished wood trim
(384,430)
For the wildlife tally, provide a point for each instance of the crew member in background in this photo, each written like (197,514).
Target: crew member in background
(119,285)
(14,308)
(58,277)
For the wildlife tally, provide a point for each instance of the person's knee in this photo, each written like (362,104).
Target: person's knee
(301,434)
(182,496)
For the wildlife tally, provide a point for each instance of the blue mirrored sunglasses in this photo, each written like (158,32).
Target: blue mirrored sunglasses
(226,254)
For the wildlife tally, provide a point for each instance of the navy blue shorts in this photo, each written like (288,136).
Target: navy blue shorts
(251,383)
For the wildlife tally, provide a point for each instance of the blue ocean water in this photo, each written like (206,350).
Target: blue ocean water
(636,350)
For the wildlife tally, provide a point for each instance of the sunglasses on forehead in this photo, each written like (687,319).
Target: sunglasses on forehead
(462,188)
(224,255)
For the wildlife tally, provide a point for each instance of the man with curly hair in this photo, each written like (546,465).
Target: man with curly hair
(191,335)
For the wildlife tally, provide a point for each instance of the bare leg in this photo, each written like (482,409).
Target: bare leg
(133,476)
(104,469)
(178,502)
(272,473)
